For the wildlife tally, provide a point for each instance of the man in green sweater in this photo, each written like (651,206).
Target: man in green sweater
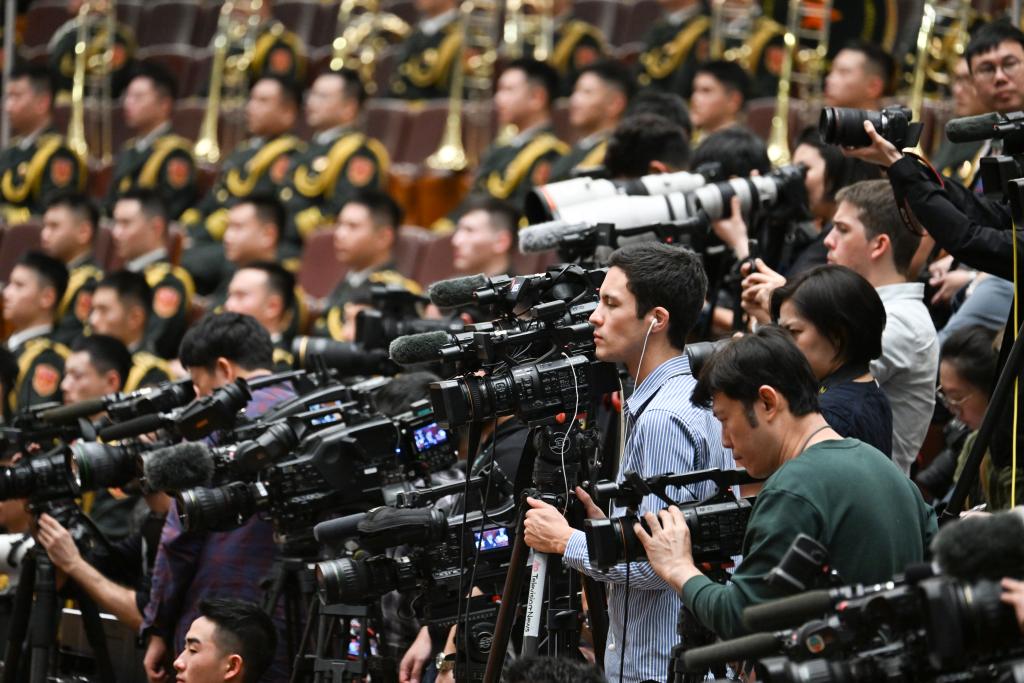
(842,492)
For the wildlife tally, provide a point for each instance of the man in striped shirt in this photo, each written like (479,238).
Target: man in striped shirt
(650,299)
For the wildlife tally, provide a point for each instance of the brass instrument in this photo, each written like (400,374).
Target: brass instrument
(522,27)
(471,78)
(207,149)
(361,38)
(941,42)
(76,123)
(809,24)
(726,27)
(93,80)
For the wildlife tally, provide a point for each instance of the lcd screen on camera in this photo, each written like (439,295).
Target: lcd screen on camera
(430,436)
(492,539)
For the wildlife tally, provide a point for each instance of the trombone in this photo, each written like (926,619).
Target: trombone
(361,38)
(941,42)
(93,79)
(522,28)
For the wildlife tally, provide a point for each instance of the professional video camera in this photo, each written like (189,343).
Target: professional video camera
(717,525)
(841,126)
(120,407)
(1000,174)
(783,188)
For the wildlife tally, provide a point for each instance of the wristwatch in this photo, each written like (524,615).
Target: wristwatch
(445,662)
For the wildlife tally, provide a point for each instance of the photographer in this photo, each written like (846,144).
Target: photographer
(643,144)
(650,300)
(231,640)
(189,565)
(836,319)
(841,492)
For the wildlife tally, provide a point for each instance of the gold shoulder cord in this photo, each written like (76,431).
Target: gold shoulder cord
(502,187)
(161,150)
(661,61)
(17,194)
(258,164)
(425,73)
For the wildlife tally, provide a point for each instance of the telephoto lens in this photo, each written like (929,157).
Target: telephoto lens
(93,465)
(41,476)
(219,509)
(362,581)
(841,126)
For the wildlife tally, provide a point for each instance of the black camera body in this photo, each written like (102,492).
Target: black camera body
(842,126)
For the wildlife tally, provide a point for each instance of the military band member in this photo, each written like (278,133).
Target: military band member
(140,238)
(33,292)
(674,46)
(276,51)
(719,96)
(69,231)
(960,160)
(62,48)
(425,58)
(38,162)
(599,100)
(860,75)
(576,44)
(259,166)
(267,292)
(338,161)
(761,50)
(156,159)
(364,240)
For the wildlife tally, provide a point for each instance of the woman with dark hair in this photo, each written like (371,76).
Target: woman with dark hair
(836,318)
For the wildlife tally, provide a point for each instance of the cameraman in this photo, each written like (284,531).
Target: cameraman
(190,566)
(650,300)
(841,492)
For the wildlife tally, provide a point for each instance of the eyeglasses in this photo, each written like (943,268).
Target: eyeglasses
(987,71)
(950,403)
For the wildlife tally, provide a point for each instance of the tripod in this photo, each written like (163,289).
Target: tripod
(290,581)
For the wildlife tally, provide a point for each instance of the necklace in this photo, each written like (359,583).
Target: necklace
(808,439)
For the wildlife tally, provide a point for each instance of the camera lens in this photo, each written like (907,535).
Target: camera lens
(95,466)
(219,509)
(842,126)
(342,580)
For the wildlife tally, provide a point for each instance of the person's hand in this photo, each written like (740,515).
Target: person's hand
(589,506)
(733,230)
(940,267)
(880,152)
(545,529)
(415,659)
(949,283)
(445,677)
(1013,595)
(58,543)
(757,287)
(668,546)
(154,662)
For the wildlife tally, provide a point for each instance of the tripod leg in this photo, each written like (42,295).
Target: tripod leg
(598,613)
(97,638)
(44,622)
(509,603)
(300,663)
(535,602)
(18,629)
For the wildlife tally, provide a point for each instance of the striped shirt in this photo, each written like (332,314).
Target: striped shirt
(665,434)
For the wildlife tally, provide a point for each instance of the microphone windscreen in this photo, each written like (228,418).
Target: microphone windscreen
(419,348)
(144,424)
(981,547)
(70,413)
(458,291)
(754,646)
(179,467)
(972,128)
(338,529)
(543,236)
(787,612)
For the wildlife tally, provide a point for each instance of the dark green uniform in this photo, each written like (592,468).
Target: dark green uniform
(673,49)
(62,52)
(40,370)
(278,52)
(586,153)
(333,319)
(284,360)
(324,177)
(161,162)
(509,171)
(761,55)
(73,311)
(172,297)
(576,44)
(147,370)
(959,160)
(32,169)
(425,60)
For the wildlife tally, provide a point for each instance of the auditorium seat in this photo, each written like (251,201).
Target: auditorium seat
(188,117)
(103,248)
(205,24)
(320,271)
(17,239)
(129,13)
(560,121)
(175,58)
(167,22)
(526,264)
(299,16)
(386,120)
(42,20)
(410,248)
(435,261)
(326,25)
(425,123)
(405,9)
(606,15)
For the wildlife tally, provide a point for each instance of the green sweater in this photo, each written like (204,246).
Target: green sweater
(844,494)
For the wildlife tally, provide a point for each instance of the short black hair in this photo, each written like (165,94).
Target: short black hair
(398,395)
(50,271)
(767,357)
(551,670)
(876,60)
(163,81)
(539,74)
(842,305)
(269,209)
(668,276)
(988,37)
(840,170)
(385,210)
(876,206)
(150,201)
(503,214)
(730,74)
(614,74)
(40,78)
(80,205)
(132,288)
(638,140)
(667,105)
(234,336)
(279,280)
(971,352)
(244,629)
(291,93)
(737,149)
(352,86)
(106,353)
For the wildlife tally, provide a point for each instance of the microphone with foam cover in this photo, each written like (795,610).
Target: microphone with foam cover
(547,236)
(70,413)
(457,291)
(982,547)
(754,646)
(973,128)
(144,424)
(424,347)
(179,467)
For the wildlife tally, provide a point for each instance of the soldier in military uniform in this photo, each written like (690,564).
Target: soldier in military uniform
(121,308)
(755,42)
(258,166)
(598,102)
(426,58)
(69,229)
(720,90)
(140,234)
(338,161)
(276,51)
(33,292)
(267,292)
(860,75)
(575,44)
(960,160)
(524,97)
(38,162)
(364,240)
(674,46)
(62,48)
(156,158)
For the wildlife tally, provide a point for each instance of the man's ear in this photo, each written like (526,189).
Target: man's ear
(225,369)
(879,246)
(48,298)
(661,318)
(112,381)
(656,167)
(234,668)
(770,400)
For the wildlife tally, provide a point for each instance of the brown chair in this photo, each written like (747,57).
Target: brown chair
(410,248)
(425,126)
(188,117)
(320,271)
(435,261)
(42,20)
(175,58)
(103,249)
(300,16)
(606,15)
(167,22)
(386,120)
(17,239)
(205,25)
(637,18)
(526,264)
(560,121)
(325,27)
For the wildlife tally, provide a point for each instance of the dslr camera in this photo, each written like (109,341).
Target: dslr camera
(845,127)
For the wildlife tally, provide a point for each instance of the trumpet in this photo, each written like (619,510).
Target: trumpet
(92,79)
(361,38)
